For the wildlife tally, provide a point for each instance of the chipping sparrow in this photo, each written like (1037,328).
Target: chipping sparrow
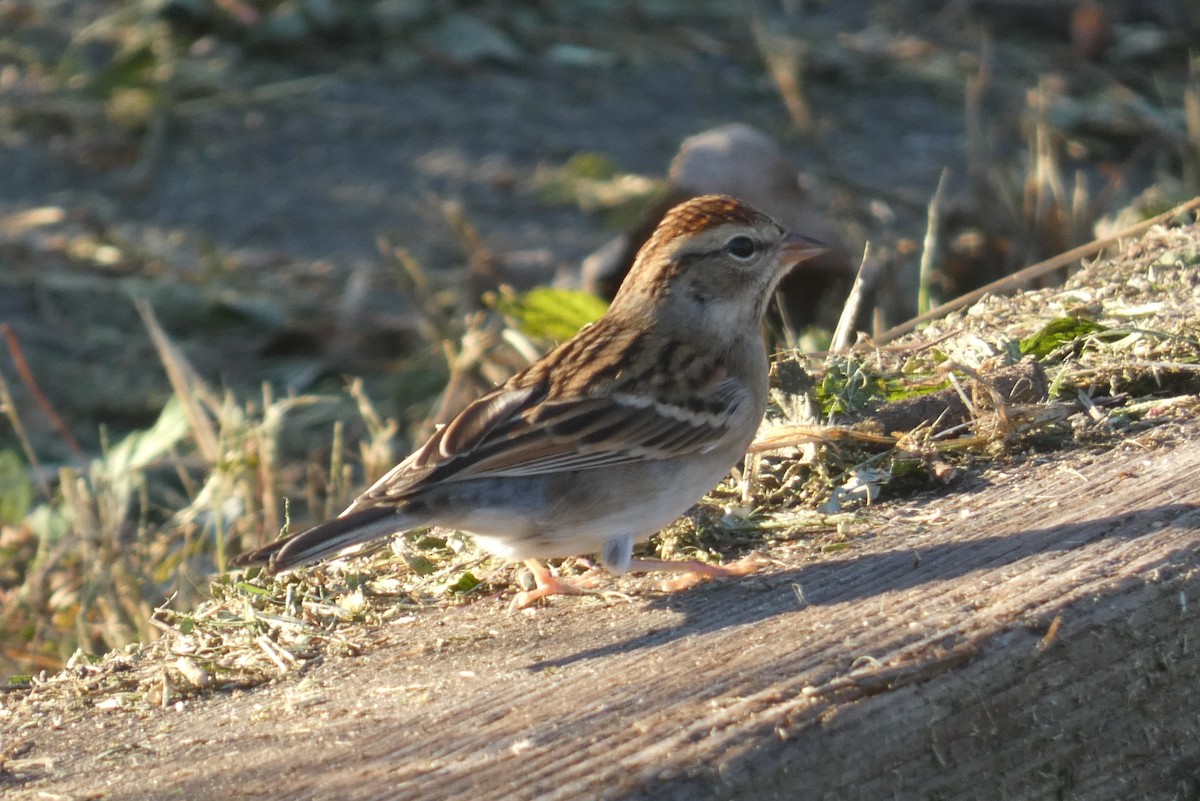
(614,433)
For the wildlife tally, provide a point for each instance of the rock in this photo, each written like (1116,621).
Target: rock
(570,55)
(469,40)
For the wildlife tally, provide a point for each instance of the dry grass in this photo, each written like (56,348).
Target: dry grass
(94,550)
(155,515)
(1119,344)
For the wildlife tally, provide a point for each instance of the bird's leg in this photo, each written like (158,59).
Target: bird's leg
(547,584)
(692,572)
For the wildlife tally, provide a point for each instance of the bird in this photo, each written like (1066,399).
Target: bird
(611,435)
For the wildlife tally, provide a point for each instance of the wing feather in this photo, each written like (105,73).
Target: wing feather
(516,432)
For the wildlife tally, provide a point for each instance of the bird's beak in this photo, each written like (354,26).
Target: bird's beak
(798,248)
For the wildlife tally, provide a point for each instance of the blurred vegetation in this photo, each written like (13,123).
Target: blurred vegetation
(98,528)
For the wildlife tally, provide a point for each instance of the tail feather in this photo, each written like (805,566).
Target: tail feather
(326,539)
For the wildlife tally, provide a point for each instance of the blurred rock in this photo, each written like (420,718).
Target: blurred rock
(285,25)
(573,55)
(465,39)
(739,160)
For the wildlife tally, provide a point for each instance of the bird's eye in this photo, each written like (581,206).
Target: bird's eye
(740,247)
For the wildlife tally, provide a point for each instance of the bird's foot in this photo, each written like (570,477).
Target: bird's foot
(546,585)
(693,572)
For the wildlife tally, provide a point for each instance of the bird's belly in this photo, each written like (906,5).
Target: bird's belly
(575,514)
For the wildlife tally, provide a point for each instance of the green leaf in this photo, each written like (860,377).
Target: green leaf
(556,314)
(901,389)
(133,68)
(466,582)
(846,386)
(1056,334)
(903,467)
(252,589)
(593,182)
(590,166)
(51,524)
(420,565)
(16,488)
(138,450)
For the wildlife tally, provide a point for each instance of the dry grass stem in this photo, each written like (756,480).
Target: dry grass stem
(189,387)
(14,419)
(784,58)
(852,309)
(930,248)
(26,374)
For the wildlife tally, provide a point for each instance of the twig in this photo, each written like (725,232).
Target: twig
(1022,277)
(274,652)
(18,357)
(789,436)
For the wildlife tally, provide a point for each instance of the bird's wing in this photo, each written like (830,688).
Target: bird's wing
(515,431)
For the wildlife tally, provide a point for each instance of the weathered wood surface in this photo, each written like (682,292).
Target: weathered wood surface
(1032,635)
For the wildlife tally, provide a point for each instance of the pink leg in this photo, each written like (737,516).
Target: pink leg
(547,584)
(694,572)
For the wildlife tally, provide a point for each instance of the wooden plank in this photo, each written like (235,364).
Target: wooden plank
(1030,635)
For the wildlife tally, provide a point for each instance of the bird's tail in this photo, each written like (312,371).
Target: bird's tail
(325,540)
